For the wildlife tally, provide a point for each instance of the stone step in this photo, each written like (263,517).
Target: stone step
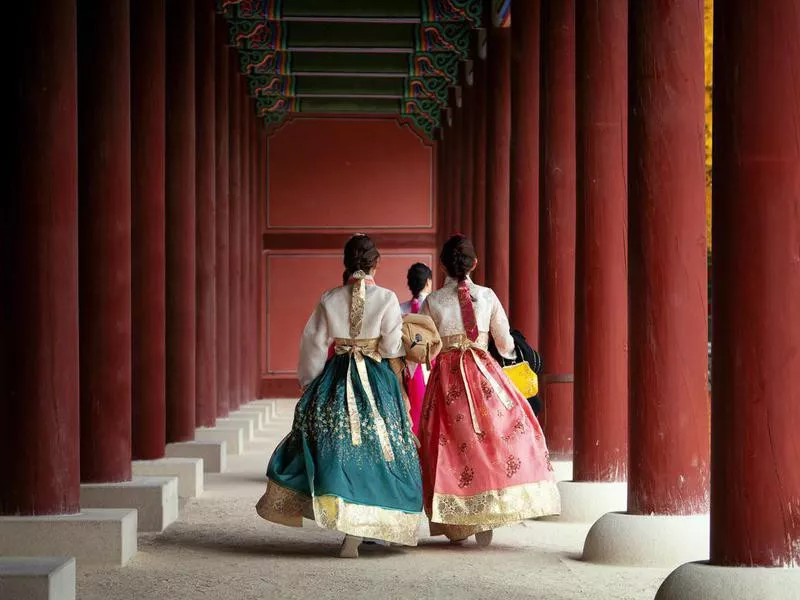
(37,578)
(93,536)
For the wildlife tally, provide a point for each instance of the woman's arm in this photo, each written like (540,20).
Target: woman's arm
(313,347)
(500,329)
(391,343)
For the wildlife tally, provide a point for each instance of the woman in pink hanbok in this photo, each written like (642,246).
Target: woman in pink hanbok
(420,282)
(484,458)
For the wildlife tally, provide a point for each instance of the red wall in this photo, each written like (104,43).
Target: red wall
(329,178)
(349,174)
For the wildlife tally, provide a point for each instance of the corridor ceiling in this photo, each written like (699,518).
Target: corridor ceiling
(391,57)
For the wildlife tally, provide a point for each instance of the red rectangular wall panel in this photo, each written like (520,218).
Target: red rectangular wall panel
(349,174)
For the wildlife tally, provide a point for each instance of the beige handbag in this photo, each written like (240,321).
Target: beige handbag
(420,339)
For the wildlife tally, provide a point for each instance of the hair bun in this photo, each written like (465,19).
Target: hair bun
(458,257)
(360,254)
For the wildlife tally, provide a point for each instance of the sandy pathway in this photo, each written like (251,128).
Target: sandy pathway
(220,549)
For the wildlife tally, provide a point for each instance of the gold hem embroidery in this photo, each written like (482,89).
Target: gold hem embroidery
(498,507)
(286,507)
(365,521)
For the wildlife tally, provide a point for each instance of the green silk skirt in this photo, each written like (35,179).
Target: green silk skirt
(371,488)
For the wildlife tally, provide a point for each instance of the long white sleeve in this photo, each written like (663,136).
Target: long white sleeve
(501,330)
(391,344)
(314,347)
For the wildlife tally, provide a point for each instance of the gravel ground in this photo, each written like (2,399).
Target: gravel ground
(220,549)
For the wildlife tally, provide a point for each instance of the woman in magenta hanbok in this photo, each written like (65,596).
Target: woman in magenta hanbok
(420,282)
(484,458)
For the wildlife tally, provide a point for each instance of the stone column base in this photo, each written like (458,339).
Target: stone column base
(189,472)
(92,536)
(647,541)
(587,501)
(37,578)
(155,499)
(694,581)
(233,436)
(214,454)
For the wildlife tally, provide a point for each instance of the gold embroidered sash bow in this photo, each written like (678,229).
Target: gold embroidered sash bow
(461,343)
(358,350)
(357,303)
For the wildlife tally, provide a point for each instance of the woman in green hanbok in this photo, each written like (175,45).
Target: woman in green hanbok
(350,462)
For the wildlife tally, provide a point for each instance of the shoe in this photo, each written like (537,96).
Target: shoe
(350,546)
(458,541)
(484,538)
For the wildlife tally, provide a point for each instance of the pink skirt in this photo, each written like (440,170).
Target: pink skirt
(415,386)
(484,458)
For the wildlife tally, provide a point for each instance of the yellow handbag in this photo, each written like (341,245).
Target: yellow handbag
(524,378)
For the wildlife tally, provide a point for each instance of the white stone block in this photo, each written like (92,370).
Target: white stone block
(259,414)
(647,540)
(284,407)
(92,536)
(587,501)
(701,581)
(213,453)
(155,498)
(246,425)
(233,436)
(37,578)
(189,472)
(267,407)
(244,415)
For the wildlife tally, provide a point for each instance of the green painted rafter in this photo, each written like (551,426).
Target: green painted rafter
(353,56)
(423,10)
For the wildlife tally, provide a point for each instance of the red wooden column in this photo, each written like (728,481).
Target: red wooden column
(468,158)
(249,313)
(557,226)
(439,188)
(668,472)
(148,80)
(447,179)
(206,371)
(450,165)
(244,227)
(457,164)
(479,173)
(755,491)
(234,233)
(253,238)
(498,174)
(104,186)
(181,222)
(222,182)
(524,223)
(255,254)
(668,414)
(601,308)
(262,271)
(39,370)
(262,225)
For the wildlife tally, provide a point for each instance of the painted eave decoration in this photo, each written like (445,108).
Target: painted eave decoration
(386,57)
